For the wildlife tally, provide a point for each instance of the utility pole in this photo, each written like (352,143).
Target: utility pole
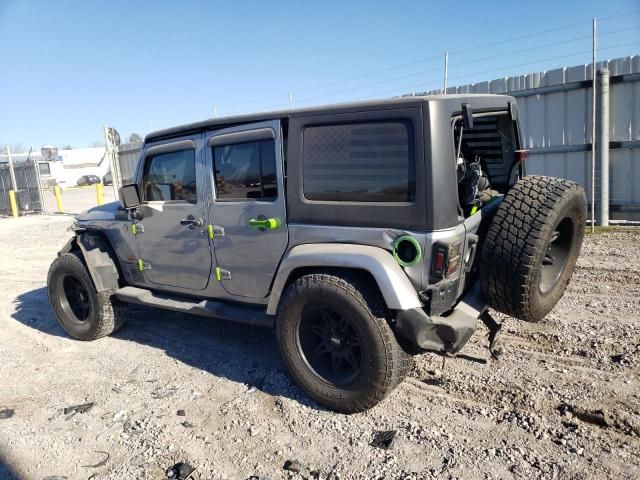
(593,127)
(290,101)
(603,145)
(446,72)
(215,112)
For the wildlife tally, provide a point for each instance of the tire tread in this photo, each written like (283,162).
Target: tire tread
(516,239)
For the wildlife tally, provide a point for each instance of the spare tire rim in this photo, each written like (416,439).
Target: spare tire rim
(329,345)
(75,298)
(556,254)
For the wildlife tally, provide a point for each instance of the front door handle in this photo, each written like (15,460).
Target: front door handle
(192,221)
(265,224)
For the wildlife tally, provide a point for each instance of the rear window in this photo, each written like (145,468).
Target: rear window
(246,171)
(359,162)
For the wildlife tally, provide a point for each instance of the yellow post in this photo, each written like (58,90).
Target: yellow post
(100,193)
(14,204)
(56,192)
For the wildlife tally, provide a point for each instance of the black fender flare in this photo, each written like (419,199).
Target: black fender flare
(98,257)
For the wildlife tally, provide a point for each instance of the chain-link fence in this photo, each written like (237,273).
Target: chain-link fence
(28,188)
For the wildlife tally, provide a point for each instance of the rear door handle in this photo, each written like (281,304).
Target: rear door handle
(265,223)
(192,221)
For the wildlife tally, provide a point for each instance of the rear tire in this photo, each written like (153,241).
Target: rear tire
(81,311)
(326,321)
(532,245)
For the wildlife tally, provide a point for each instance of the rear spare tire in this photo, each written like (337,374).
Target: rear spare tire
(532,245)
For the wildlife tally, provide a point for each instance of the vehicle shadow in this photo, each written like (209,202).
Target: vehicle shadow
(241,353)
(6,472)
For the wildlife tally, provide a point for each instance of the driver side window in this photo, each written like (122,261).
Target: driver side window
(170,177)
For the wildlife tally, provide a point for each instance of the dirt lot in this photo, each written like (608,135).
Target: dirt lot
(77,199)
(564,402)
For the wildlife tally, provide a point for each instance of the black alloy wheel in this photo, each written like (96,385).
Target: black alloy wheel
(75,298)
(330,345)
(557,254)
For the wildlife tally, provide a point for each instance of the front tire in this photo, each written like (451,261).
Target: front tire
(81,311)
(337,344)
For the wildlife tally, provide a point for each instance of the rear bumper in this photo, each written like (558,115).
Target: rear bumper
(442,334)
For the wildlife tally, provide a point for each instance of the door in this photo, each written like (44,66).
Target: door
(173,241)
(247,215)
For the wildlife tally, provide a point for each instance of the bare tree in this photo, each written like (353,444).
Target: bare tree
(66,147)
(135,138)
(18,147)
(97,143)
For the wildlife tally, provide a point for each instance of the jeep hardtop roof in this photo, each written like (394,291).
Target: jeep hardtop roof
(204,125)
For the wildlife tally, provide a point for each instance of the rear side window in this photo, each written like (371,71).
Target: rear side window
(246,171)
(170,177)
(359,162)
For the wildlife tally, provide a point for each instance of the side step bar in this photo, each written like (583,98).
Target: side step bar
(205,308)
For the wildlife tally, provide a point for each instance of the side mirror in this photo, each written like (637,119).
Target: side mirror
(129,196)
(467,116)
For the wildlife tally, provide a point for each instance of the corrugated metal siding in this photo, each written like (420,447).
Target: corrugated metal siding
(563,119)
(128,156)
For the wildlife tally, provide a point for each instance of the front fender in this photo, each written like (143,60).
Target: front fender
(99,260)
(396,289)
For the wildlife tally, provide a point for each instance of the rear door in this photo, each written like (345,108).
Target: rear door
(173,241)
(247,215)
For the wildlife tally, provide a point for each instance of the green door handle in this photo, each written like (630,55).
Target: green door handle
(267,223)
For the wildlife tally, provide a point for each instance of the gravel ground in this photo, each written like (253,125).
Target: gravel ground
(77,199)
(563,402)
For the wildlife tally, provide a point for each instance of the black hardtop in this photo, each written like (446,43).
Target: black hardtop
(454,101)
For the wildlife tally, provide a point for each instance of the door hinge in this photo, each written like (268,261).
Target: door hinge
(143,265)
(137,228)
(222,274)
(215,231)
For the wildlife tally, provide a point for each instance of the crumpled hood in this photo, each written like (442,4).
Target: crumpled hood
(100,212)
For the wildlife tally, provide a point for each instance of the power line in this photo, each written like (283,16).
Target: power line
(329,94)
(494,69)
(610,17)
(434,57)
(431,58)
(546,59)
(563,42)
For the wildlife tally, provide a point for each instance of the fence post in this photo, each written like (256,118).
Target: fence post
(12,174)
(446,72)
(56,192)
(593,125)
(602,149)
(13,203)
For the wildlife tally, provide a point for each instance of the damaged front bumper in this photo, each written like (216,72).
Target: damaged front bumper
(443,334)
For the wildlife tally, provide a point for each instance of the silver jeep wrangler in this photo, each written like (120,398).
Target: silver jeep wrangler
(365,233)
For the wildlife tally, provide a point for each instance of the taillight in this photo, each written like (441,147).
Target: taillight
(521,155)
(445,260)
